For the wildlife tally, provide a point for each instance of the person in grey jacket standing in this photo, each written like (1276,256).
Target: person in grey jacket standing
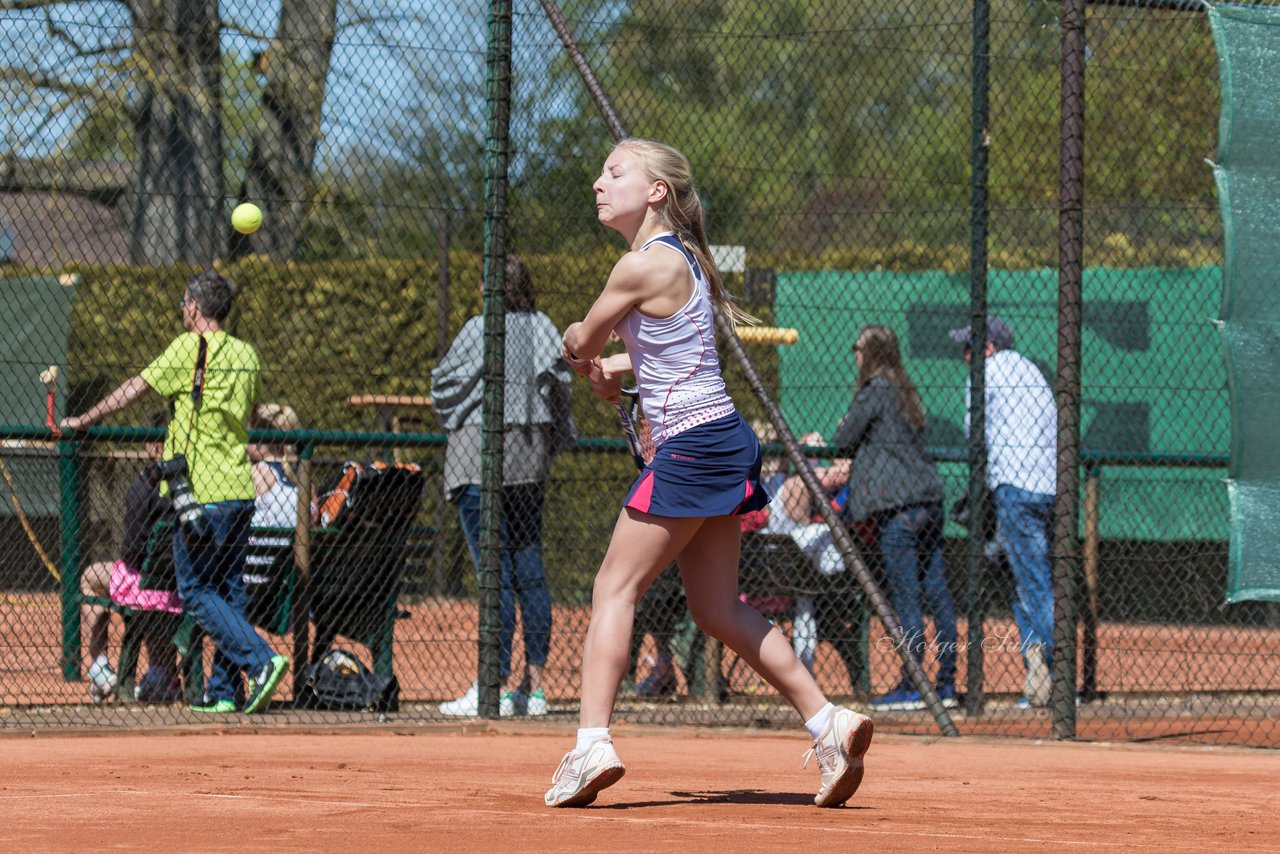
(532,367)
(894,482)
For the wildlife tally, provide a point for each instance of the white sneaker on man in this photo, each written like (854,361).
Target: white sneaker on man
(1039,681)
(512,703)
(581,776)
(468,705)
(536,706)
(839,753)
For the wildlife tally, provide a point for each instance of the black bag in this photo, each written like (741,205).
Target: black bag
(564,431)
(341,681)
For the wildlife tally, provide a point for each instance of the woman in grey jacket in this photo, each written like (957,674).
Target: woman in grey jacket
(894,481)
(532,367)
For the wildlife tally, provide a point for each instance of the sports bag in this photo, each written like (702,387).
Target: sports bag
(341,681)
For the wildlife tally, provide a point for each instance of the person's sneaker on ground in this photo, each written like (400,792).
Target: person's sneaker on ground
(512,703)
(208,706)
(157,686)
(537,705)
(581,776)
(102,681)
(898,700)
(1024,703)
(466,705)
(839,753)
(947,694)
(264,684)
(1039,681)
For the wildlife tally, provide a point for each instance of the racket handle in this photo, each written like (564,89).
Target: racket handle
(629,431)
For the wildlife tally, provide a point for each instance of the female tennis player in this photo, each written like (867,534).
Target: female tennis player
(660,300)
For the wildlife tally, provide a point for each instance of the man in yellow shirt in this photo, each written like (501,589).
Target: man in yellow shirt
(211,381)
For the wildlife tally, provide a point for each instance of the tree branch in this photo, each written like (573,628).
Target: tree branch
(46,81)
(28,5)
(60,33)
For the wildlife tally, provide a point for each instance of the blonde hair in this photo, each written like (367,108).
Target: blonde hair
(278,416)
(681,211)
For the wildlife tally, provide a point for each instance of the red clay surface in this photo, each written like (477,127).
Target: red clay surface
(449,789)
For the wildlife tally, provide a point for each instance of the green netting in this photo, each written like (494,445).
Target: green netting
(1248,177)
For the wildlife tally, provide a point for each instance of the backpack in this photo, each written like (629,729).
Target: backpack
(341,500)
(340,681)
(564,431)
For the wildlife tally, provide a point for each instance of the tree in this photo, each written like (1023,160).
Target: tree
(175,205)
(163,85)
(287,129)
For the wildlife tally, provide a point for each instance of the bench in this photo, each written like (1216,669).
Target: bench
(270,579)
(774,572)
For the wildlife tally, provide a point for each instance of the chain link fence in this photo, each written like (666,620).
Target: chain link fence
(833,145)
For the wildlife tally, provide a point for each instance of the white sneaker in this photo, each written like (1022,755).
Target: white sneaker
(581,776)
(537,704)
(511,703)
(102,682)
(1039,680)
(839,752)
(466,705)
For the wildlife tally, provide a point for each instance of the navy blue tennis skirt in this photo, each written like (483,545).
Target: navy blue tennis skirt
(712,469)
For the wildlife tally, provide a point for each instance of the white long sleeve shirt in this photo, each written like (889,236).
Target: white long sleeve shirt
(1022,424)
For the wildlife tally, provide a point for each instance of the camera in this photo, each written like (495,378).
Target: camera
(191,520)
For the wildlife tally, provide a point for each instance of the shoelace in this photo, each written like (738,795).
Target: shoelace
(809,754)
(564,763)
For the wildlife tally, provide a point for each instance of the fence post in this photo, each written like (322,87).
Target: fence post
(300,615)
(497,155)
(69,487)
(979,146)
(1066,507)
(1089,619)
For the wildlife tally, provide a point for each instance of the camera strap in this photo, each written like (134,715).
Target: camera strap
(197,387)
(197,381)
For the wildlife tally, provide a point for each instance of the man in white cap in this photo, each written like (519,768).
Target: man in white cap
(1021,428)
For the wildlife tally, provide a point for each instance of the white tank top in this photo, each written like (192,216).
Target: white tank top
(674,358)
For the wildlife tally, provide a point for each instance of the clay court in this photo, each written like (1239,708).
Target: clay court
(479,788)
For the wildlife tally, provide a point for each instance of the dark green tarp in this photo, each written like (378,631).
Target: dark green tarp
(1247,172)
(35,314)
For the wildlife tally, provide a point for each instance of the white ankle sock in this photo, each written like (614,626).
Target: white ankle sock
(818,724)
(101,661)
(587,735)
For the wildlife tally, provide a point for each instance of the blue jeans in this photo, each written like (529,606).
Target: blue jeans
(522,571)
(911,545)
(212,591)
(1024,528)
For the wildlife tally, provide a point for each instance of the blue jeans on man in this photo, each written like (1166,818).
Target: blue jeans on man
(521,568)
(911,546)
(211,586)
(1024,528)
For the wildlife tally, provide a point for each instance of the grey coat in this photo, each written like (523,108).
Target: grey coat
(533,363)
(533,354)
(891,467)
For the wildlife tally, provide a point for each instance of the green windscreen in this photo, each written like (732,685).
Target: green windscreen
(1152,382)
(35,314)
(1247,172)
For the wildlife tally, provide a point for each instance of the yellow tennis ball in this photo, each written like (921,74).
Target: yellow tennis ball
(246,218)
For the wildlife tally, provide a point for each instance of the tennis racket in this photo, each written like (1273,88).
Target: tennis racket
(626,408)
